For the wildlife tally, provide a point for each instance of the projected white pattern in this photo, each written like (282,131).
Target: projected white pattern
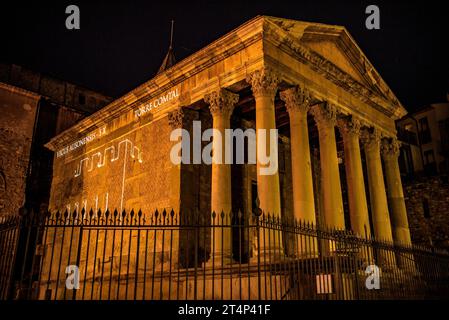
(89,161)
(84,205)
(98,160)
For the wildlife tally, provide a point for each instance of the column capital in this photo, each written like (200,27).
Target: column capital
(175,118)
(221,102)
(264,82)
(371,137)
(349,125)
(390,148)
(325,114)
(296,99)
(181,117)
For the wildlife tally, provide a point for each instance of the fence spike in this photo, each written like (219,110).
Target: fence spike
(74,214)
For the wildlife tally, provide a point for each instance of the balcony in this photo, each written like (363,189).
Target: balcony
(407,136)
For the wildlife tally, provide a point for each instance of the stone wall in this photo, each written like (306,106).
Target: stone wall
(61,105)
(128,168)
(431,227)
(18,111)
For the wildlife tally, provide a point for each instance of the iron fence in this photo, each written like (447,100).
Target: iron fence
(9,230)
(167,255)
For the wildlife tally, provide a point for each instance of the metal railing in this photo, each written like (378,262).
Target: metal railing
(9,231)
(166,255)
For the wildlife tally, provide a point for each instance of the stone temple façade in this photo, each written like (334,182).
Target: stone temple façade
(337,146)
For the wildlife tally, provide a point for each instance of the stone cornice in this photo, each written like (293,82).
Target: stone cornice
(20,91)
(245,35)
(343,39)
(286,42)
(234,41)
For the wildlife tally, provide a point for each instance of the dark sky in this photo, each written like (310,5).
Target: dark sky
(121,44)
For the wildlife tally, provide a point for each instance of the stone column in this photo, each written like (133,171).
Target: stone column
(378,197)
(221,103)
(264,85)
(178,119)
(297,102)
(175,121)
(325,117)
(358,208)
(390,154)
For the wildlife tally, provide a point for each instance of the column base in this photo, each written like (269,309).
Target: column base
(219,259)
(268,256)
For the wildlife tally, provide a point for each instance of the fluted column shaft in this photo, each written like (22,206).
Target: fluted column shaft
(358,207)
(401,231)
(325,117)
(378,196)
(221,106)
(297,102)
(264,84)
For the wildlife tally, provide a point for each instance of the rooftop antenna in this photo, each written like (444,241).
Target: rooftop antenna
(169,59)
(171,34)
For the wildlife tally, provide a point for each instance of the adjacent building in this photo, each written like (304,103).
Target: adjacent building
(337,148)
(424,161)
(35,107)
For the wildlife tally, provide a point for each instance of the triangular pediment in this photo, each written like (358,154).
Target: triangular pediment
(335,44)
(332,52)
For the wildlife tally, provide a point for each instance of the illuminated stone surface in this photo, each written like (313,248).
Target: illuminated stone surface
(126,163)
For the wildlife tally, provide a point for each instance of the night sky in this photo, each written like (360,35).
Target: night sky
(121,44)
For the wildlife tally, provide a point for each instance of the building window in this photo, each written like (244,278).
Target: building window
(81,99)
(429,158)
(406,161)
(429,162)
(425,131)
(426,208)
(444,137)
